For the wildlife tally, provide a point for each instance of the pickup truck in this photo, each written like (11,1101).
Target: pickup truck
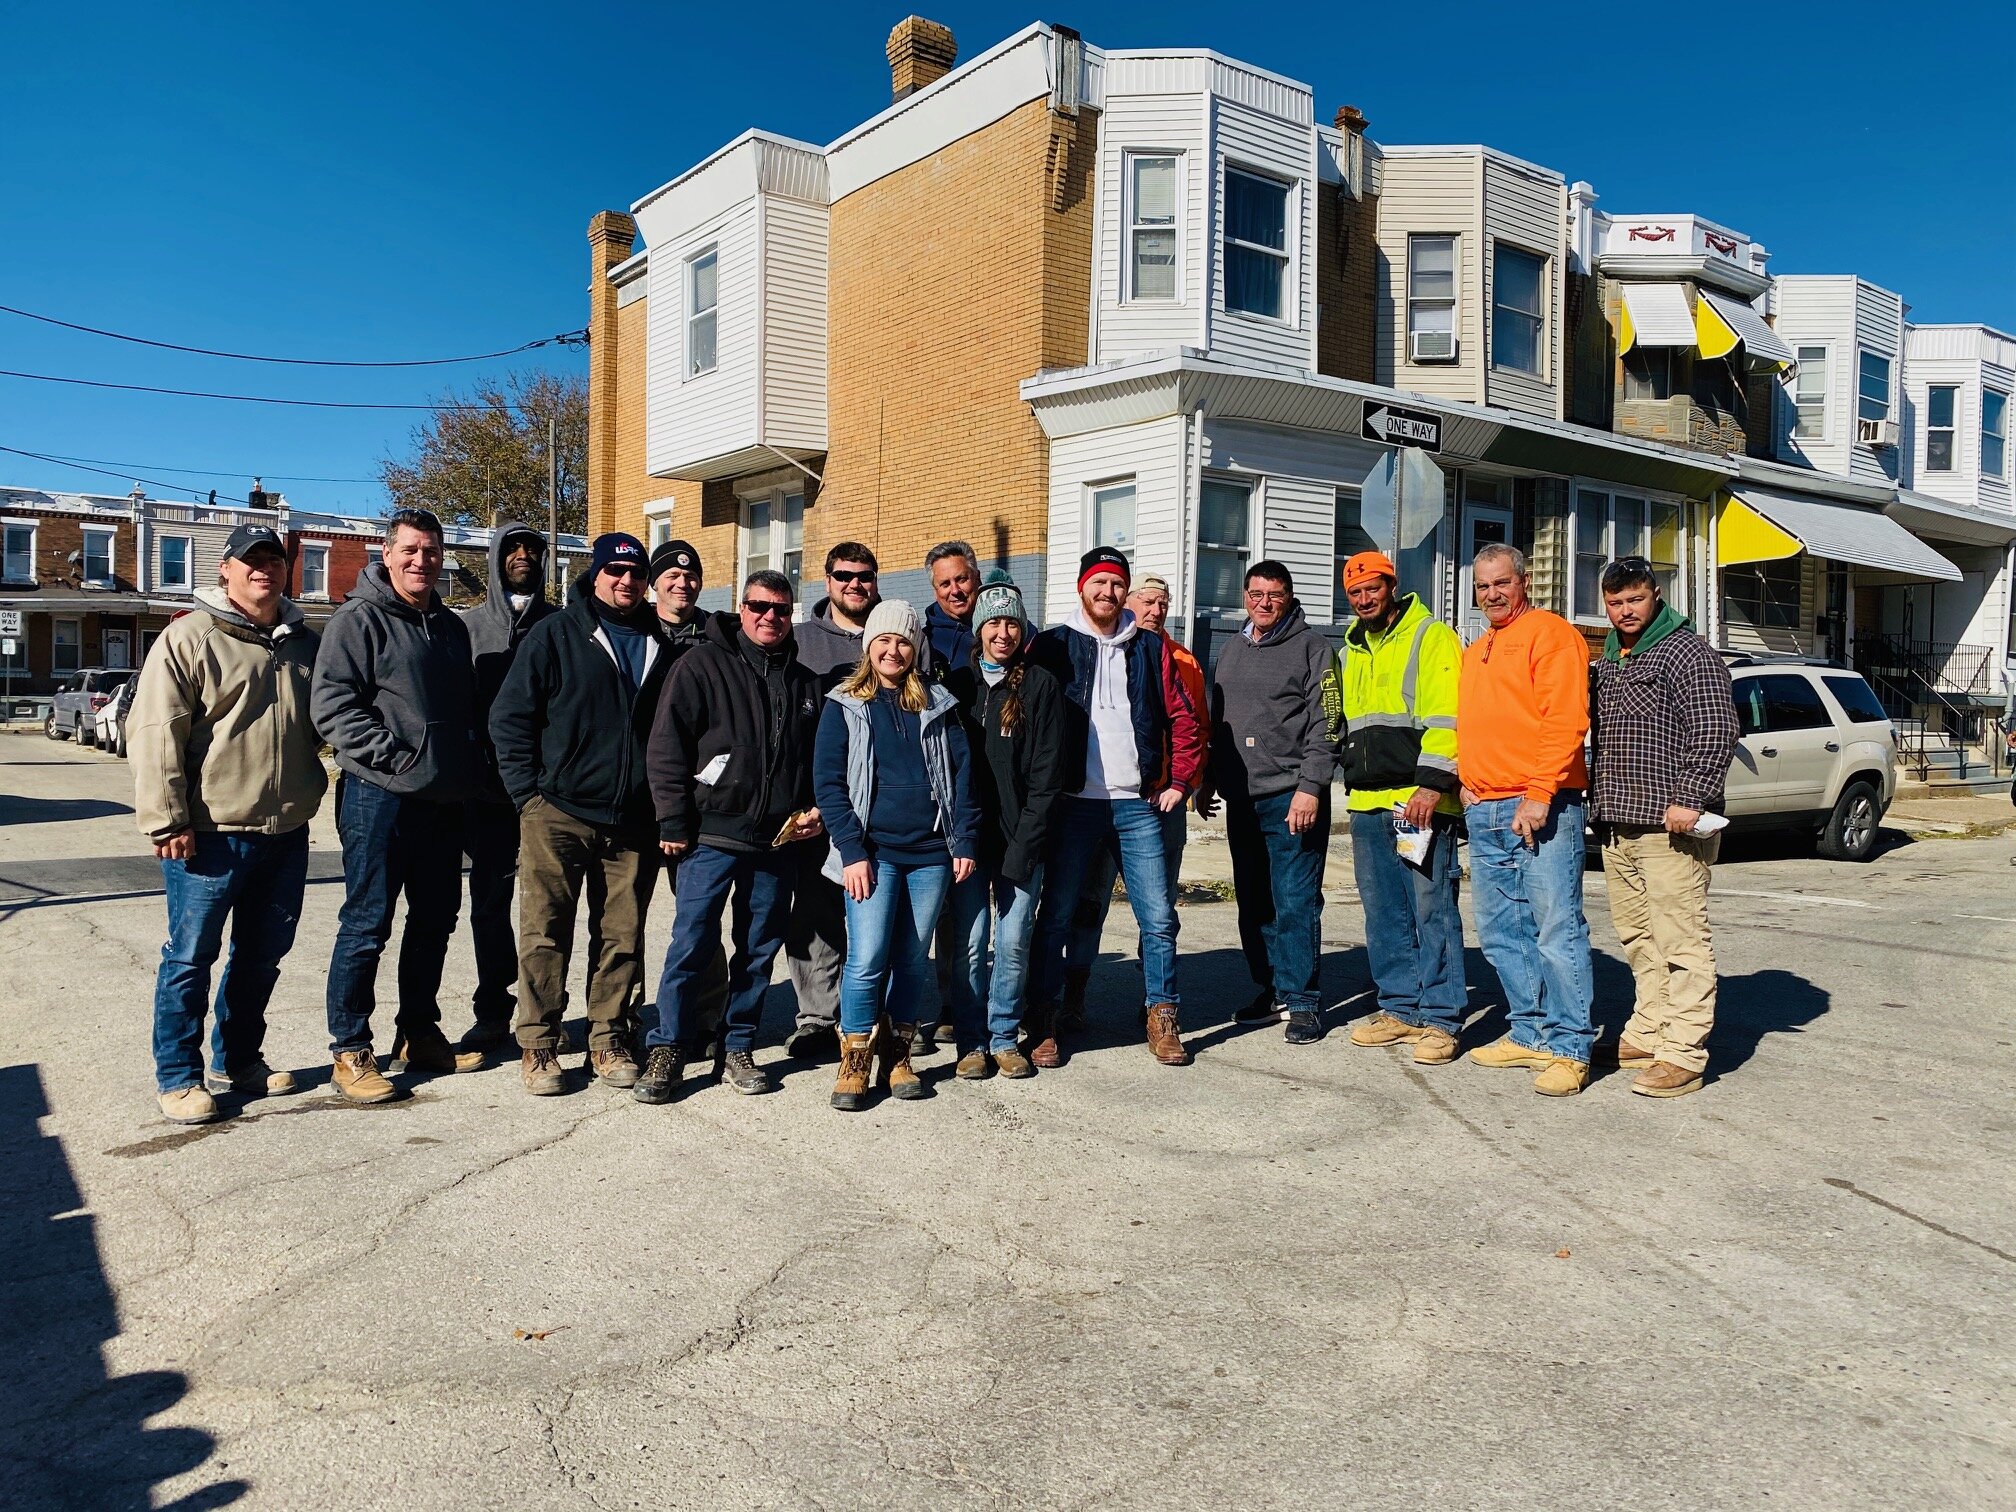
(78,699)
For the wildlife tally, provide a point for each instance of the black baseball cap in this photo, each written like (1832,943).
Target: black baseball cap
(673,554)
(617,550)
(248,538)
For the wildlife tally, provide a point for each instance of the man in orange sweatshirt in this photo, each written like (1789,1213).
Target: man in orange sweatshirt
(1522,711)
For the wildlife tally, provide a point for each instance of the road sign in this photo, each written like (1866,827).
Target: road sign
(10,621)
(1402,427)
(8,646)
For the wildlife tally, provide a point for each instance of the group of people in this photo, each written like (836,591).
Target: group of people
(924,812)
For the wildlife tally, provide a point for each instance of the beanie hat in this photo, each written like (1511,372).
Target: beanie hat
(1153,582)
(999,599)
(1103,559)
(1366,566)
(894,617)
(674,554)
(617,550)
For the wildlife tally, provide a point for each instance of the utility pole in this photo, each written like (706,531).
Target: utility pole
(553,506)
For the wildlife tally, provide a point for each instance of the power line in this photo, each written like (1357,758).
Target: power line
(202,472)
(564,338)
(179,488)
(341,404)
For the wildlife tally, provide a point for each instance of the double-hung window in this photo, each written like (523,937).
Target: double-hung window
(1518,309)
(174,563)
(98,554)
(1809,395)
(1763,594)
(703,294)
(1994,433)
(1112,516)
(1224,541)
(1152,180)
(1872,387)
(66,650)
(20,551)
(1940,401)
(1256,248)
(1611,525)
(773,535)
(1431,298)
(1352,538)
(1648,373)
(314,571)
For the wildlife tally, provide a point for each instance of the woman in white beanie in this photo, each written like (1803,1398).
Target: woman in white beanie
(892,761)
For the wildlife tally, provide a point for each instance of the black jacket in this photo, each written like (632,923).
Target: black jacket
(1016,776)
(565,725)
(759,725)
(496,630)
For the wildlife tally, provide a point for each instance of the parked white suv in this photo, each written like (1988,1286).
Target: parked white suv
(1816,754)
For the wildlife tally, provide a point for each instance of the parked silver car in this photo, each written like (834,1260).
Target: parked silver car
(1816,754)
(78,699)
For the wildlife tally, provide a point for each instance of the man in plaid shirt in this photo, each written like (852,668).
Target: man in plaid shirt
(1663,731)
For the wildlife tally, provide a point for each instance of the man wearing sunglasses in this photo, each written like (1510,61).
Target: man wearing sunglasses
(570,727)
(730,764)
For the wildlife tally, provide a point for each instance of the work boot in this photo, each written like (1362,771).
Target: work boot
(1384,1029)
(1071,1012)
(898,1078)
(427,1052)
(850,1088)
(1503,1052)
(542,1074)
(924,1038)
(662,1069)
(612,1064)
(1262,1010)
(357,1077)
(1562,1078)
(740,1071)
(1163,1041)
(1664,1079)
(973,1066)
(253,1079)
(1305,1027)
(813,1042)
(187,1105)
(487,1037)
(1013,1064)
(1039,1024)
(1629,1054)
(1435,1047)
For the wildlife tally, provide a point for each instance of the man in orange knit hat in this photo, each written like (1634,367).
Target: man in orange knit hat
(1522,711)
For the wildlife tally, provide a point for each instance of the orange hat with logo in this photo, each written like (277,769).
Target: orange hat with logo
(1367,565)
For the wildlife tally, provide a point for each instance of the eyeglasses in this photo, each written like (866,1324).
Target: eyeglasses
(840,576)
(1266,596)
(766,608)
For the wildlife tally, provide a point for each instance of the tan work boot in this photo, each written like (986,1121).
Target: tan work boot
(1071,1012)
(1013,1064)
(899,1078)
(850,1088)
(973,1066)
(253,1079)
(612,1064)
(1164,1043)
(1040,1024)
(1562,1078)
(1629,1054)
(1384,1029)
(358,1078)
(428,1052)
(1503,1052)
(1434,1047)
(541,1073)
(187,1105)
(1663,1079)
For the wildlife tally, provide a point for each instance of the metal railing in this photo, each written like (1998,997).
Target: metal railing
(1941,700)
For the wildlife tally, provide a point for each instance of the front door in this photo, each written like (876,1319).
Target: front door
(118,648)
(1483,525)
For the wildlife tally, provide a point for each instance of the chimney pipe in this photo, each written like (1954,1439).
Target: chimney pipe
(920,52)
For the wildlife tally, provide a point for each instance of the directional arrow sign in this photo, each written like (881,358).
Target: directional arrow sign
(1402,427)
(10,621)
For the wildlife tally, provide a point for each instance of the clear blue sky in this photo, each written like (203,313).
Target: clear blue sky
(415,180)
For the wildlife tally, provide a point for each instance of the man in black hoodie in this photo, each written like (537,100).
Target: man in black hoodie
(394,695)
(516,601)
(570,726)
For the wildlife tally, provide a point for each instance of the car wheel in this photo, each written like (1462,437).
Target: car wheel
(87,735)
(1850,834)
(54,730)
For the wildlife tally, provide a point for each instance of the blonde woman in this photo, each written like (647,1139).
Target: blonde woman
(890,773)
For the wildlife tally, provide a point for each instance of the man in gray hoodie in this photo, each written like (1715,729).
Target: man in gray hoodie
(1271,761)
(515,602)
(394,695)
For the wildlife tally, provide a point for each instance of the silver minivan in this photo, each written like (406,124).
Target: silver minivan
(1816,754)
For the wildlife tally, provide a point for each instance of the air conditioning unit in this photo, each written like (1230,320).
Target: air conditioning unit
(1879,434)
(1432,346)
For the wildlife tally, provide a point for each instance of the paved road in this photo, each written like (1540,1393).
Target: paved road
(1284,1277)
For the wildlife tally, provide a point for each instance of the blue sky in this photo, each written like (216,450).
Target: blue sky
(382,182)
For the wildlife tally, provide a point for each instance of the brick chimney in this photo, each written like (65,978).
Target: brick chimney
(1350,118)
(920,53)
(612,237)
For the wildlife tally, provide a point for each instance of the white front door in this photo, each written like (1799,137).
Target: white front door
(1483,525)
(118,648)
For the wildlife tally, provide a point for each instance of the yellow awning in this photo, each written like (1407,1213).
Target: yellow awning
(1743,535)
(1713,336)
(1768,525)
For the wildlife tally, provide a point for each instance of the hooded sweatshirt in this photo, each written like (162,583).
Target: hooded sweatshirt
(825,646)
(395,692)
(496,628)
(1268,733)
(1112,760)
(951,639)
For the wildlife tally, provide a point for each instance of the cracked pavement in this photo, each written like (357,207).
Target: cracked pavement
(1283,1277)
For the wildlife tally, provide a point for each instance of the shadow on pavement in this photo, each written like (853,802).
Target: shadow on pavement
(76,1436)
(19,810)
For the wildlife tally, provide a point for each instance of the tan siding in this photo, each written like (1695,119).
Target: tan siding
(1530,213)
(1424,194)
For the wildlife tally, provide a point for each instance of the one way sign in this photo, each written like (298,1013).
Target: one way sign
(1402,427)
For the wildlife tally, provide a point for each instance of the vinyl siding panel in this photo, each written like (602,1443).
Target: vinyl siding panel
(1879,327)
(794,324)
(714,414)
(1140,122)
(1814,310)
(1420,194)
(1284,150)
(1151,454)
(1529,212)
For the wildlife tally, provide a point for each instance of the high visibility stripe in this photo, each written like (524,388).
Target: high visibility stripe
(1385,722)
(1436,763)
(1412,675)
(1438,722)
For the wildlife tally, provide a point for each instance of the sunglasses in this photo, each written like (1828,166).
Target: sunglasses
(623,569)
(1633,563)
(839,576)
(765,608)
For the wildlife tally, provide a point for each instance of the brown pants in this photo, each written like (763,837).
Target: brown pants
(1658,885)
(559,854)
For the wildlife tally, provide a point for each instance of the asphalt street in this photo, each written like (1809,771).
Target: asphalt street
(1282,1277)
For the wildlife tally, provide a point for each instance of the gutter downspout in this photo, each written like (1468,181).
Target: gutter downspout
(1193,490)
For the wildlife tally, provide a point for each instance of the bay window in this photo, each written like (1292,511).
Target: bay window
(1224,542)
(1518,309)
(1256,248)
(1151,225)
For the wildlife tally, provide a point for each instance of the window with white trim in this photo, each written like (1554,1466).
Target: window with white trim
(98,561)
(1518,309)
(658,531)
(1431,298)
(703,294)
(1109,513)
(1994,433)
(1609,525)
(1256,248)
(1941,400)
(1154,182)
(1351,538)
(314,571)
(66,646)
(773,535)
(1809,394)
(20,552)
(1872,386)
(1224,542)
(173,562)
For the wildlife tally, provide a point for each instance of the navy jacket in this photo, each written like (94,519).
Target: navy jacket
(1168,727)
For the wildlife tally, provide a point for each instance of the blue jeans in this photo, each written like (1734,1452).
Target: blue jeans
(890,933)
(1081,829)
(392,845)
(760,882)
(1095,900)
(257,881)
(1413,931)
(1010,909)
(1278,878)
(1529,921)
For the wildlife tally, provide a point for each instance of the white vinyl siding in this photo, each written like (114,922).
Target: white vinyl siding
(1260,155)
(19,559)
(1524,210)
(1152,454)
(794,324)
(1150,124)
(1852,318)
(714,413)
(1979,365)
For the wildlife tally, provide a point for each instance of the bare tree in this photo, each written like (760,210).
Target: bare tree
(481,458)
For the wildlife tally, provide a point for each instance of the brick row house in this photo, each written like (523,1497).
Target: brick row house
(1060,295)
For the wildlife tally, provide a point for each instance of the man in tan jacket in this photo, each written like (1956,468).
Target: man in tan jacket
(227,772)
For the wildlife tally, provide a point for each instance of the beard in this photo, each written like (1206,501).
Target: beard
(528,581)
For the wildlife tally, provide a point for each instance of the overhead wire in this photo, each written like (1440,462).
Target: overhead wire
(179,488)
(201,472)
(341,404)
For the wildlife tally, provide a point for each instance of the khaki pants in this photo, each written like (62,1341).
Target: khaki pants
(1658,886)
(558,855)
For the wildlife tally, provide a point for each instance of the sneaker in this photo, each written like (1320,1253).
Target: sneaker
(187,1105)
(1503,1052)
(1262,1010)
(973,1066)
(740,1071)
(1384,1029)
(253,1079)
(1305,1027)
(540,1070)
(662,1069)
(817,1043)
(426,1052)
(357,1077)
(1013,1064)
(1562,1078)
(1663,1079)
(612,1064)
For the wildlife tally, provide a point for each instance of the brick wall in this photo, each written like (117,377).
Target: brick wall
(1347,264)
(57,535)
(347,556)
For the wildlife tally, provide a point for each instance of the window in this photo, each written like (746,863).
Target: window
(1763,594)
(1431,298)
(1151,226)
(174,562)
(374,555)
(703,293)
(1609,526)
(1939,404)
(20,552)
(1256,249)
(1872,387)
(1857,700)
(314,571)
(1648,373)
(773,536)
(1793,703)
(97,555)
(1224,536)
(1994,433)
(66,650)
(1112,517)
(1352,538)
(1809,394)
(1518,308)
(660,532)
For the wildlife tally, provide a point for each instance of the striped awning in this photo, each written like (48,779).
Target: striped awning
(1654,315)
(1721,322)
(1763,525)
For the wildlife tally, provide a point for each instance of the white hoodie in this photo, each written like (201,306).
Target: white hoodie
(1112,761)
